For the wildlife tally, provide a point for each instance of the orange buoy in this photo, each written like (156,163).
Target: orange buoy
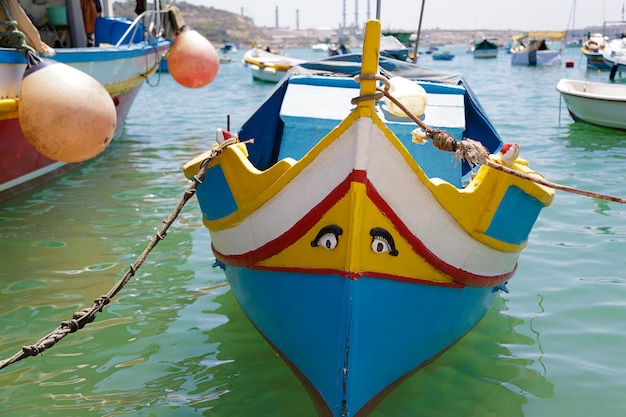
(64,113)
(193,61)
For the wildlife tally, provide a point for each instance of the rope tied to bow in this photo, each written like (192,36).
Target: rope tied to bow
(470,150)
(87,315)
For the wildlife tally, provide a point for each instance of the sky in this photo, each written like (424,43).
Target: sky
(524,15)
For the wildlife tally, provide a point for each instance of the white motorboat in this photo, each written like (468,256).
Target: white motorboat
(602,104)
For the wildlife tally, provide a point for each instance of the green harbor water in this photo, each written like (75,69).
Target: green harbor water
(174,342)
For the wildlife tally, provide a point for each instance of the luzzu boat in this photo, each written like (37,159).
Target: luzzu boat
(267,65)
(360,255)
(119,53)
(592,49)
(537,52)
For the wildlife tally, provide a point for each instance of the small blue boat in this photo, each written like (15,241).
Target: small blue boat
(443,56)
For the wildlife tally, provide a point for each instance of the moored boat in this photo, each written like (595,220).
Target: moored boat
(601,104)
(537,52)
(358,251)
(443,56)
(614,55)
(228,47)
(592,49)
(486,48)
(268,65)
(119,53)
(320,47)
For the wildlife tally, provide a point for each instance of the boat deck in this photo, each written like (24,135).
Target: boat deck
(329,101)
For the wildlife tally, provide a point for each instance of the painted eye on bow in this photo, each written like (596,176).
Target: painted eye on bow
(382,242)
(328,237)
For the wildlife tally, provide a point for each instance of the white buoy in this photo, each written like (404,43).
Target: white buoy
(65,114)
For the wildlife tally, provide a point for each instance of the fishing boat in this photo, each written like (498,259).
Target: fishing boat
(443,56)
(320,47)
(359,248)
(268,65)
(119,53)
(485,48)
(228,47)
(614,55)
(592,49)
(601,104)
(537,52)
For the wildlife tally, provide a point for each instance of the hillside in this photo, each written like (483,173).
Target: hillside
(218,25)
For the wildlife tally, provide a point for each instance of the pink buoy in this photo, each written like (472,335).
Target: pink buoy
(64,113)
(192,61)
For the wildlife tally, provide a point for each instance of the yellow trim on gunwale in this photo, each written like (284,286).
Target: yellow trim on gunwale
(8,108)
(277,67)
(127,85)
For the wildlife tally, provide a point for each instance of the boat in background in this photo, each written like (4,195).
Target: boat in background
(320,47)
(228,47)
(443,56)
(486,48)
(614,55)
(537,51)
(592,49)
(360,250)
(340,49)
(601,104)
(268,65)
(124,53)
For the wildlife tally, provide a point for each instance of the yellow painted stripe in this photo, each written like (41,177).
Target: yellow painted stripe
(277,67)
(127,85)
(8,108)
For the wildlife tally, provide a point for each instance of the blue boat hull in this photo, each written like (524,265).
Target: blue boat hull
(341,335)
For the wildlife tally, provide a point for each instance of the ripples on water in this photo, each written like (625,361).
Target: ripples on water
(174,341)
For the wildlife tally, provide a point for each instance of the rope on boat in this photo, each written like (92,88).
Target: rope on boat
(10,35)
(87,315)
(471,150)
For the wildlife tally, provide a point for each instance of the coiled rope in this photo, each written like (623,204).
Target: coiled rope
(471,150)
(87,315)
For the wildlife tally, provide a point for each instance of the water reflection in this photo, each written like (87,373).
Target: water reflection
(590,137)
(481,375)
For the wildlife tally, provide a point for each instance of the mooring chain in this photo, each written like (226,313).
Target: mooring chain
(467,149)
(87,315)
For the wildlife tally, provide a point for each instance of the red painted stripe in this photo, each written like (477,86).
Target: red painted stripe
(458,275)
(292,235)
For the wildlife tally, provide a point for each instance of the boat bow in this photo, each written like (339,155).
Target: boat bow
(359,255)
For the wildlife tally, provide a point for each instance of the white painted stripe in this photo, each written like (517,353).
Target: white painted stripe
(413,202)
(313,184)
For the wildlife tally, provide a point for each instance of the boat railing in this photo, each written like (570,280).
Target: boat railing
(153,24)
